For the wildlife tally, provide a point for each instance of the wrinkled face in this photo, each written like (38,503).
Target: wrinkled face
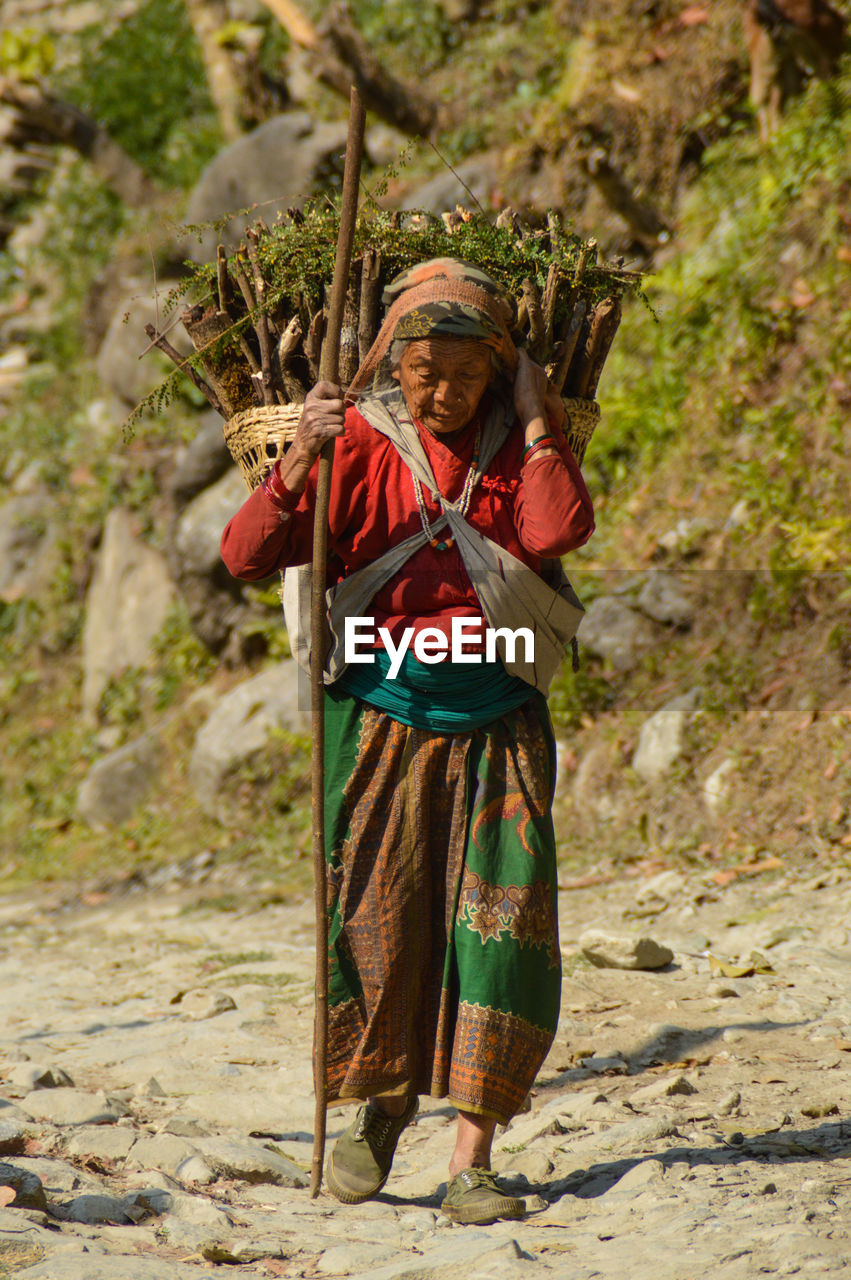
(443,380)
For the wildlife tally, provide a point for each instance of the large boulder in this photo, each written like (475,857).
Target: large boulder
(212,597)
(128,602)
(662,737)
(663,601)
(448,189)
(242,725)
(612,630)
(117,783)
(119,367)
(276,167)
(199,530)
(204,461)
(28,553)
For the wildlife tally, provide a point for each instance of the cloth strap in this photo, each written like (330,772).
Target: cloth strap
(510,593)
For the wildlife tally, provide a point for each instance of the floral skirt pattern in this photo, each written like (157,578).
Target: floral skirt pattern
(444,965)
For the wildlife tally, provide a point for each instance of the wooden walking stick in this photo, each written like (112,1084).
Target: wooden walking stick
(328,372)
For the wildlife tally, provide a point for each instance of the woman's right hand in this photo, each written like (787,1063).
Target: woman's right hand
(322,419)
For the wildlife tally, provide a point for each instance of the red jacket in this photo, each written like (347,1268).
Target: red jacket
(539,510)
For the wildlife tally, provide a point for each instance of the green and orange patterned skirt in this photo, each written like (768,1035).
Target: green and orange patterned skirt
(445,970)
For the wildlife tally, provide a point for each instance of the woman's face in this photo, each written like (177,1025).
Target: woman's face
(443,380)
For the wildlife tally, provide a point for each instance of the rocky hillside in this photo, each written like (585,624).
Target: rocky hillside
(150,724)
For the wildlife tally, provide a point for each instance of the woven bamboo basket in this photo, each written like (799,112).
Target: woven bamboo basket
(582,419)
(257,437)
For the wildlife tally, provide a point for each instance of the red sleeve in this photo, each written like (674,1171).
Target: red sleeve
(266,534)
(553,511)
(270,533)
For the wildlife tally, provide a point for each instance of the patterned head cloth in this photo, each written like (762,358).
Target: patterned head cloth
(442,298)
(447,316)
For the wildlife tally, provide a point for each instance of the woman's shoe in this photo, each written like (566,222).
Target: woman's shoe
(359,1165)
(474,1197)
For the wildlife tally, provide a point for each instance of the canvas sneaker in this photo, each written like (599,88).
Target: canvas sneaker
(474,1197)
(359,1165)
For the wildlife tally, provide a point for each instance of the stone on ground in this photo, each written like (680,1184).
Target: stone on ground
(98,1142)
(117,783)
(203,1003)
(160,1151)
(29,1192)
(64,1106)
(619,951)
(231,1158)
(31,1075)
(663,601)
(97,1208)
(662,738)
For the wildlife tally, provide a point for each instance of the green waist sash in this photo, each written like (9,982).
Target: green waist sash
(450,697)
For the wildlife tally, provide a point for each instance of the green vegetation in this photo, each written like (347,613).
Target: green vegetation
(416,37)
(298,256)
(741,385)
(730,396)
(144,82)
(297,261)
(578,694)
(27,54)
(256,979)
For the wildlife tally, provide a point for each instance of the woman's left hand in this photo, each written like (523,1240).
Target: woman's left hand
(530,390)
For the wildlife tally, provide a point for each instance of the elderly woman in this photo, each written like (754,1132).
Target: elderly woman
(453,491)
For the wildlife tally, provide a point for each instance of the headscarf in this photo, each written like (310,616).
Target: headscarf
(443,297)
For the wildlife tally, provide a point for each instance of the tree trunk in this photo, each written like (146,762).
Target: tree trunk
(641,218)
(44,117)
(338,55)
(207,18)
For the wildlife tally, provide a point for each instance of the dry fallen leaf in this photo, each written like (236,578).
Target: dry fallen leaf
(727,969)
(586,882)
(729,874)
(742,969)
(7,1195)
(625,92)
(801,295)
(693,16)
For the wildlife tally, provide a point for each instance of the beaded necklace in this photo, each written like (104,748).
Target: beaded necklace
(461,505)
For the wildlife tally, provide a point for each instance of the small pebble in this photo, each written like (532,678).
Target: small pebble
(721,990)
(729,1103)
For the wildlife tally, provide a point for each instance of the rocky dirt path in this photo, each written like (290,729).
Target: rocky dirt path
(156,1108)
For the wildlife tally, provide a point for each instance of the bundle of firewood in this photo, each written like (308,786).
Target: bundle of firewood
(257,327)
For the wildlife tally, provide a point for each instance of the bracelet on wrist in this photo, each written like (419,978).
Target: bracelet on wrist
(538,440)
(538,447)
(273,485)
